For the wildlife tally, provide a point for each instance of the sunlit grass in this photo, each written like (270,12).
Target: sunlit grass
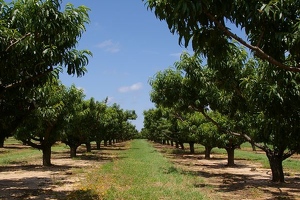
(11,141)
(20,156)
(17,153)
(245,153)
(142,173)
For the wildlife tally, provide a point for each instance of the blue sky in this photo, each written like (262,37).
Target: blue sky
(129,45)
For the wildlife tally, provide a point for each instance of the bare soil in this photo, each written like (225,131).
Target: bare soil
(247,180)
(34,181)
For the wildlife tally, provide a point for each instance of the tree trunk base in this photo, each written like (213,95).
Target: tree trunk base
(46,156)
(230,157)
(275,162)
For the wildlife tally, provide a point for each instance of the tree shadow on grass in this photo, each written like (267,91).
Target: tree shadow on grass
(93,157)
(233,183)
(113,147)
(21,180)
(82,194)
(34,167)
(29,180)
(248,183)
(15,147)
(245,180)
(102,154)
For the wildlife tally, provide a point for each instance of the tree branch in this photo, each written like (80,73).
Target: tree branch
(289,153)
(34,145)
(222,129)
(17,41)
(35,139)
(167,136)
(259,52)
(31,78)
(178,117)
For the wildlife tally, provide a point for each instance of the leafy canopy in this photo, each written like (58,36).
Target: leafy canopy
(271,27)
(37,38)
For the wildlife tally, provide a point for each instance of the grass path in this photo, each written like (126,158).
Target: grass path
(142,173)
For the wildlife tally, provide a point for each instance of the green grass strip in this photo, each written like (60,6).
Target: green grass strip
(21,156)
(291,164)
(25,155)
(143,173)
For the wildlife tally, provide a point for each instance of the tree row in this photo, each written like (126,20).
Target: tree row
(250,93)
(38,41)
(241,101)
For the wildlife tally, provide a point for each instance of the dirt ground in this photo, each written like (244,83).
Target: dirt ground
(33,181)
(245,181)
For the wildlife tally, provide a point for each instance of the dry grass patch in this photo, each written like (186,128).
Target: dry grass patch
(27,179)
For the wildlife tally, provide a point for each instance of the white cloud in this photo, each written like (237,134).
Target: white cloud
(134,87)
(109,46)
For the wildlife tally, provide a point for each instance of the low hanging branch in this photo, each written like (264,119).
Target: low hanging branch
(259,52)
(226,131)
(32,144)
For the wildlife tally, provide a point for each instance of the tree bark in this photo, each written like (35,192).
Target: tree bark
(192,147)
(110,142)
(276,167)
(253,147)
(207,152)
(46,149)
(172,143)
(73,150)
(2,139)
(181,145)
(230,157)
(177,145)
(98,143)
(88,147)
(105,143)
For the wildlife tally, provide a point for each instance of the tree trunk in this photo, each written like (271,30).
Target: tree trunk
(207,152)
(230,157)
(98,143)
(181,145)
(2,139)
(105,143)
(46,149)
(168,142)
(110,142)
(172,143)
(177,145)
(73,150)
(276,167)
(253,147)
(192,147)
(88,147)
